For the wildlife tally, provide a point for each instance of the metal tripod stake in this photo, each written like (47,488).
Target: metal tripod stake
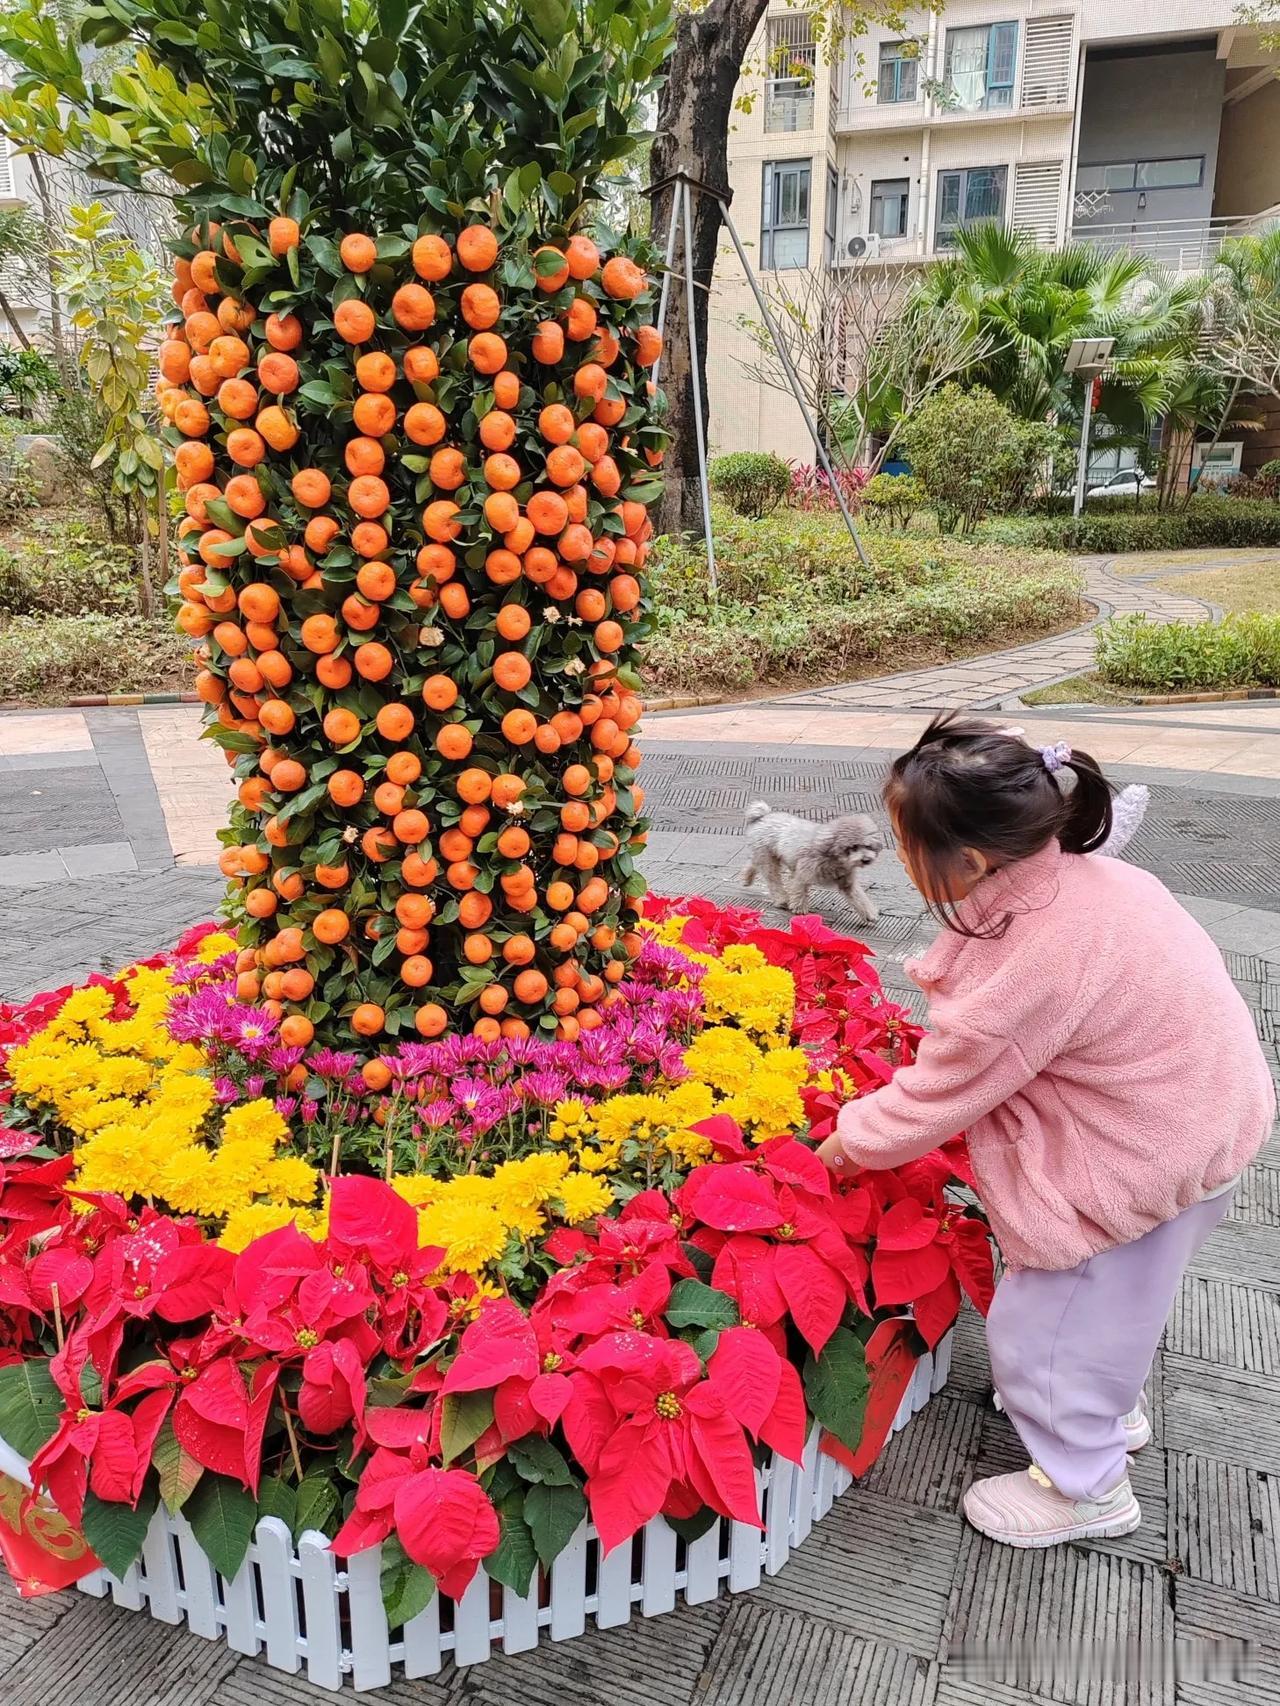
(681,223)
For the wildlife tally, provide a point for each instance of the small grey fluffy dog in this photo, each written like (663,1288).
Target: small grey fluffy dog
(794,855)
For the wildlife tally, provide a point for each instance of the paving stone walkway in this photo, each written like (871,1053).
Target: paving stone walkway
(893,1601)
(1000,677)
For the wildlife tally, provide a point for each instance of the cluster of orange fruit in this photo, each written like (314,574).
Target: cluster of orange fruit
(415,594)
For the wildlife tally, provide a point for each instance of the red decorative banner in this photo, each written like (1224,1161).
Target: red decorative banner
(37,1543)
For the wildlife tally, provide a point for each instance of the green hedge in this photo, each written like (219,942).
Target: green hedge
(53,658)
(800,553)
(61,566)
(1105,532)
(1177,657)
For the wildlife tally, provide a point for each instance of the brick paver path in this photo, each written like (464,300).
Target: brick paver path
(1002,676)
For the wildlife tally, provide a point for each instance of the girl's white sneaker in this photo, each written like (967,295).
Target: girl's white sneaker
(1025,1509)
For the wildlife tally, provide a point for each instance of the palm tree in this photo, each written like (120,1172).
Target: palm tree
(1031,304)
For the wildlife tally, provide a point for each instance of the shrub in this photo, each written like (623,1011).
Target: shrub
(1241,651)
(894,498)
(52,658)
(973,456)
(811,554)
(796,602)
(58,566)
(812,489)
(1205,521)
(753,481)
(18,489)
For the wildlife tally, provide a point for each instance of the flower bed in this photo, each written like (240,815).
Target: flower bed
(560,1290)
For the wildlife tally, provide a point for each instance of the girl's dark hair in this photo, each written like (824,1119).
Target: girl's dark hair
(966,783)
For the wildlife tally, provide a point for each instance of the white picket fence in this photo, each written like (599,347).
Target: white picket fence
(302,1609)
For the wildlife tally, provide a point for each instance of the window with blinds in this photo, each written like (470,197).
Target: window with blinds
(1048,72)
(1037,199)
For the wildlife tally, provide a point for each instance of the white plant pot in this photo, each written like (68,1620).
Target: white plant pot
(303,1609)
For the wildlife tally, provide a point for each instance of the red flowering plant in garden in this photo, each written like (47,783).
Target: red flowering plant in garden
(339,1376)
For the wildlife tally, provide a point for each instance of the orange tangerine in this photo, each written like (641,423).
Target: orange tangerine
(424,424)
(432,258)
(477,248)
(413,308)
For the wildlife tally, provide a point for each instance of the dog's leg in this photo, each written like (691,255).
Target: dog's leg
(748,875)
(800,880)
(861,901)
(773,872)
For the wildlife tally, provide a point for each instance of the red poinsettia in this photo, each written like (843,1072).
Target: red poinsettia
(656,1434)
(103,1446)
(786,1246)
(443,1517)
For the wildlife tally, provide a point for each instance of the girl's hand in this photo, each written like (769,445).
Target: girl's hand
(831,1153)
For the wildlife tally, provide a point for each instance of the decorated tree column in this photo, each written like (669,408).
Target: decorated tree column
(413,433)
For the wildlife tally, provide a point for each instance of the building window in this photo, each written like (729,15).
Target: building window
(889,201)
(791,58)
(966,197)
(1186,173)
(830,215)
(784,221)
(979,67)
(899,65)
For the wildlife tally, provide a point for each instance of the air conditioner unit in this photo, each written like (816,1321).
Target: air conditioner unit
(864,248)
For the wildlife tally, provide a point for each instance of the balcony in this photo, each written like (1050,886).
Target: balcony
(1180,245)
(788,105)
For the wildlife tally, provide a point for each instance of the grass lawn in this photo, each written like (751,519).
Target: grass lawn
(1077,690)
(1248,587)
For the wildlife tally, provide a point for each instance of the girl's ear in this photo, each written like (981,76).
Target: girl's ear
(975,865)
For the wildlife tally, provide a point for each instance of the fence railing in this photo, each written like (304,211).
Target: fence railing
(1182,245)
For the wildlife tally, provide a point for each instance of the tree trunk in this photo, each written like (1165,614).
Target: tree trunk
(52,241)
(146,589)
(695,110)
(6,308)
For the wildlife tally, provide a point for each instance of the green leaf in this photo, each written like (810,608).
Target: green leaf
(114,1531)
(277,1498)
(537,1460)
(30,1405)
(694,1304)
(317,1503)
(222,1514)
(691,1528)
(562,183)
(178,1471)
(464,1417)
(553,1515)
(516,1557)
(836,1386)
(407,1588)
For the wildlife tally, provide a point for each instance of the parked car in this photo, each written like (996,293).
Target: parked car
(1128,483)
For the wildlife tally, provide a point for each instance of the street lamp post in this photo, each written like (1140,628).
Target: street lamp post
(1087,357)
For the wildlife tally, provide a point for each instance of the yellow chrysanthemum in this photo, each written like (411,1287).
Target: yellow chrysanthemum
(581,1197)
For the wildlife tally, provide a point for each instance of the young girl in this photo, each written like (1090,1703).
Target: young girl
(1086,1034)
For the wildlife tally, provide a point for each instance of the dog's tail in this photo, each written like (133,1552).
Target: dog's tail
(1127,814)
(757,810)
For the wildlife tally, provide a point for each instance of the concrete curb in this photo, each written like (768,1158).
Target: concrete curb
(1230,693)
(95,701)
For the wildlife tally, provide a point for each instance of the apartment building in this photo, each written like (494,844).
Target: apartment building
(1142,124)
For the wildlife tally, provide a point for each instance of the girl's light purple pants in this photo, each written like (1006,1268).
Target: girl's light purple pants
(1071,1351)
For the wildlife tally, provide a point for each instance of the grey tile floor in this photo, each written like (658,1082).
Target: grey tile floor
(892,1602)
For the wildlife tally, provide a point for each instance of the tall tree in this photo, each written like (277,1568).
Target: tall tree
(695,112)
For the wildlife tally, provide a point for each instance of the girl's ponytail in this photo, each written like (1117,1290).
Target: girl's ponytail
(1087,798)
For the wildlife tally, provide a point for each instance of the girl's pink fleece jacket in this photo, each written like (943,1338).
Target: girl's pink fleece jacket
(1104,1065)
